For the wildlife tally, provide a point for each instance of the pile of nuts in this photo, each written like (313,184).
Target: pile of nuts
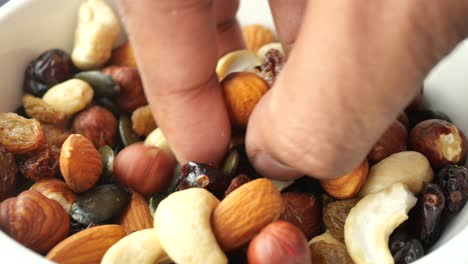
(87,177)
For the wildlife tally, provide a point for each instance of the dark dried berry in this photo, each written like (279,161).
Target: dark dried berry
(50,68)
(428,214)
(40,164)
(453,180)
(274,62)
(420,115)
(201,175)
(237,182)
(303,211)
(8,173)
(409,252)
(335,214)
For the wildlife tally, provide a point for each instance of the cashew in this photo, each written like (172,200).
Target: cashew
(182,221)
(325,237)
(157,139)
(372,220)
(69,97)
(408,167)
(141,247)
(237,61)
(265,48)
(97,31)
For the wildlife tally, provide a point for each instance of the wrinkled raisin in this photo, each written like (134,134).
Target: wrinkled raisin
(20,135)
(453,180)
(409,251)
(237,182)
(40,164)
(303,211)
(8,173)
(50,68)
(38,109)
(428,214)
(326,253)
(334,216)
(54,136)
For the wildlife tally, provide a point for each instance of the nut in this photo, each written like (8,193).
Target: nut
(131,95)
(98,125)
(142,247)
(237,61)
(123,56)
(80,163)
(143,122)
(144,169)
(392,141)
(242,92)
(34,221)
(440,141)
(367,229)
(256,36)
(302,210)
(409,167)
(56,190)
(97,31)
(137,215)
(182,221)
(36,108)
(69,97)
(279,242)
(261,53)
(245,212)
(157,139)
(347,186)
(102,84)
(87,246)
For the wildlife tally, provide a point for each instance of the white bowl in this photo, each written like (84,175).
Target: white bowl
(29,27)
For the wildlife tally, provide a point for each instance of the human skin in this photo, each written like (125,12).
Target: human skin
(352,67)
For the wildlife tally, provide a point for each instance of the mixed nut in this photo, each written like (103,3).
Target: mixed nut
(88,177)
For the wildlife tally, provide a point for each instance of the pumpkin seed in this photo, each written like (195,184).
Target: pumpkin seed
(107,158)
(127,135)
(103,85)
(231,162)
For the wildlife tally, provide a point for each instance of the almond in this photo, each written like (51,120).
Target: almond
(244,212)
(347,186)
(80,163)
(87,246)
(256,36)
(137,215)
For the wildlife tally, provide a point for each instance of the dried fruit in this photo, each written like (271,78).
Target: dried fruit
(237,61)
(80,163)
(57,190)
(143,122)
(237,182)
(261,53)
(280,242)
(69,97)
(347,186)
(334,216)
(8,173)
(303,211)
(100,204)
(131,95)
(123,56)
(137,215)
(20,135)
(144,169)
(87,246)
(201,175)
(409,252)
(127,136)
(440,141)
(50,68)
(256,36)
(98,125)
(34,220)
(36,108)
(453,180)
(40,164)
(102,84)
(270,69)
(322,252)
(54,136)
(242,91)
(392,141)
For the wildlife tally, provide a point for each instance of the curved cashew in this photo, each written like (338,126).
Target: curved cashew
(408,167)
(141,247)
(372,220)
(237,61)
(97,31)
(182,221)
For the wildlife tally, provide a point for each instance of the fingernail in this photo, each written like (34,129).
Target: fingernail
(269,167)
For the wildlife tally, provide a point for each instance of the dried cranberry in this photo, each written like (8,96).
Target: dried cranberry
(50,68)
(410,251)
(453,180)
(274,62)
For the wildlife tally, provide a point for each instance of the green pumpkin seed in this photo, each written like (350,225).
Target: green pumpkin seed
(127,135)
(103,85)
(100,204)
(231,162)
(108,104)
(107,158)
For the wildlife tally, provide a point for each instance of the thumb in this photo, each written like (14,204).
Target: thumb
(353,68)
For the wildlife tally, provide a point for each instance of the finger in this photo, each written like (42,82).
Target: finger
(288,17)
(228,29)
(176,49)
(345,83)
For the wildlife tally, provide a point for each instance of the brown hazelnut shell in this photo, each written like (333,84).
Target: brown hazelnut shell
(392,141)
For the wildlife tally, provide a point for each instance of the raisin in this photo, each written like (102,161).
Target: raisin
(50,68)
(409,251)
(327,253)
(237,182)
(54,136)
(8,173)
(453,180)
(20,135)
(38,109)
(303,211)
(39,164)
(274,62)
(334,216)
(428,214)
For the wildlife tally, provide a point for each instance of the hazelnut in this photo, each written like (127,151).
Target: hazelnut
(98,125)
(242,92)
(392,141)
(57,190)
(347,186)
(34,221)
(131,95)
(440,141)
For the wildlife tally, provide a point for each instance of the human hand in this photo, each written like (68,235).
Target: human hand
(355,65)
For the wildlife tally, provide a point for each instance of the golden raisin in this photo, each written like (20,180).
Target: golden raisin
(55,136)
(335,214)
(326,253)
(38,109)
(143,122)
(20,135)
